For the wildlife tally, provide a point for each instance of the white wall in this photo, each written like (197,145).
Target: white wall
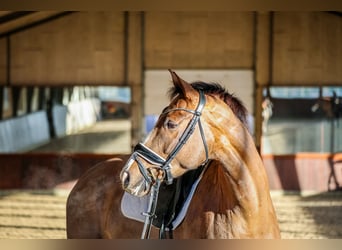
(158,82)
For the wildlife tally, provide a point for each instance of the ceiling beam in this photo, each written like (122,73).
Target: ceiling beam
(336,13)
(4,13)
(27,20)
(8,16)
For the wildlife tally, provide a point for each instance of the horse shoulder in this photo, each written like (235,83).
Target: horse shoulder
(210,209)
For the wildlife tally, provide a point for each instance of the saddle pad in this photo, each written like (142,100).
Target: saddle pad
(132,206)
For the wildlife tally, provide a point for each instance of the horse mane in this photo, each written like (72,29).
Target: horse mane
(215,89)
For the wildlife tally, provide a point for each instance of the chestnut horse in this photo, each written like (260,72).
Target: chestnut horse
(232,199)
(198,126)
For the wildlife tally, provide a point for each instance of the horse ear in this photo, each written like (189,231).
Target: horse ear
(181,84)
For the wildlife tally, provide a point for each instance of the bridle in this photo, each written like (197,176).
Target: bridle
(164,165)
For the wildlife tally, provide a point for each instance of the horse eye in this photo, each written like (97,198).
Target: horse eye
(171,125)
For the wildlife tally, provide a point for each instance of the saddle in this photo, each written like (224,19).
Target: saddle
(172,205)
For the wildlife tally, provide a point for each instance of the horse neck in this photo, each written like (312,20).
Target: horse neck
(241,163)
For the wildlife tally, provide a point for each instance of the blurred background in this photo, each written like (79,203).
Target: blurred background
(77,88)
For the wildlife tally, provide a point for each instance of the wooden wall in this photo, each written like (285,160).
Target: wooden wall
(199,40)
(116,48)
(82,48)
(91,47)
(307,48)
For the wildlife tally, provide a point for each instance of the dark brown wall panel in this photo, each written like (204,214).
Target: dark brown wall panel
(304,171)
(3,61)
(301,172)
(45,171)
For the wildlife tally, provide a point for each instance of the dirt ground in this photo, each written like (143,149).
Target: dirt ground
(316,216)
(41,215)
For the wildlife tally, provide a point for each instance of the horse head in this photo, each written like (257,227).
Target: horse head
(184,136)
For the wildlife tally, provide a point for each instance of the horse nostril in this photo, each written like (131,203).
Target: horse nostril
(125,179)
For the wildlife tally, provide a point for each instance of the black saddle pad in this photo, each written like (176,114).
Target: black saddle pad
(172,197)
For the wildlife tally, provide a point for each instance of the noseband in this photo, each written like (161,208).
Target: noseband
(164,165)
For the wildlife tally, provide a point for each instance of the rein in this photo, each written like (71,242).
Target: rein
(140,150)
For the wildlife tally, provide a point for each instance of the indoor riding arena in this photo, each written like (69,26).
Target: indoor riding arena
(78,88)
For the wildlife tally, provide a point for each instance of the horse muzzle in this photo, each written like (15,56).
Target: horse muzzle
(142,170)
(137,177)
(137,188)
